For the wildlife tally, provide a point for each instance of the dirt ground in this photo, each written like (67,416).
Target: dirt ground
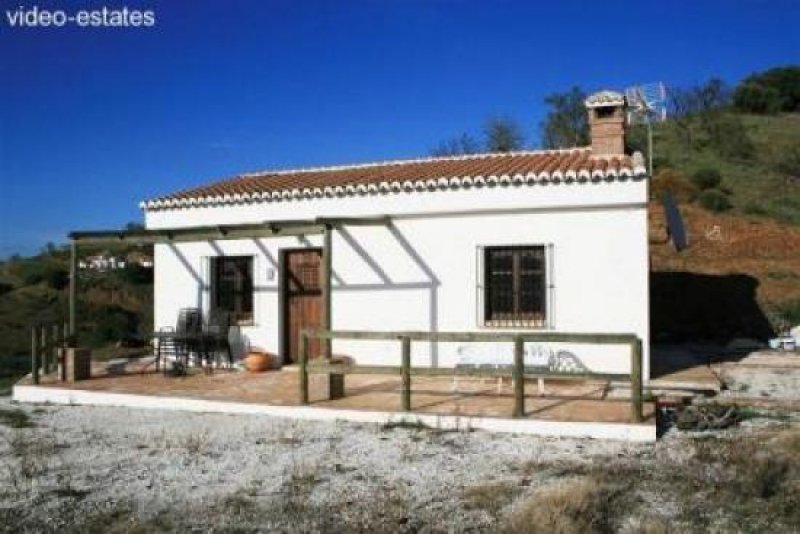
(89,469)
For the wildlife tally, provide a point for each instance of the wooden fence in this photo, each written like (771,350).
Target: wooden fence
(518,373)
(47,340)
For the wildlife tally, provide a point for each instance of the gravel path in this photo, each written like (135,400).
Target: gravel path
(155,462)
(92,469)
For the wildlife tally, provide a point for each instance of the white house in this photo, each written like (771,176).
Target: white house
(526,241)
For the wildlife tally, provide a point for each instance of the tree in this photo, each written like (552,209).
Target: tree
(463,144)
(566,124)
(686,104)
(770,91)
(503,134)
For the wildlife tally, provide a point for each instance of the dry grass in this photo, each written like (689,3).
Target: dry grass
(491,497)
(570,506)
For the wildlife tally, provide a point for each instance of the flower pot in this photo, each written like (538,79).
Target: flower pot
(258,362)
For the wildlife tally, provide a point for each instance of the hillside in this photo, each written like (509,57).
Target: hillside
(112,304)
(740,276)
(757,156)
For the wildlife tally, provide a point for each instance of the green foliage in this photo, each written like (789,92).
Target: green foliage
(770,91)
(707,178)
(503,134)
(714,200)
(757,98)
(790,312)
(566,124)
(137,275)
(5,288)
(108,324)
(56,277)
(728,136)
(787,161)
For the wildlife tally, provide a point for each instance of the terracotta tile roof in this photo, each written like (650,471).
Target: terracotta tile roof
(513,168)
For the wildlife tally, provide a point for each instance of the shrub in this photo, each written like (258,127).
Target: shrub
(681,188)
(707,179)
(714,200)
(773,90)
(56,277)
(569,506)
(752,97)
(5,288)
(790,312)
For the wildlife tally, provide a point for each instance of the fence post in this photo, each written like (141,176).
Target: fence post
(44,349)
(56,345)
(519,377)
(34,355)
(405,347)
(303,349)
(636,381)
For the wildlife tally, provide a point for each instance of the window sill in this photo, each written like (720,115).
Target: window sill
(528,325)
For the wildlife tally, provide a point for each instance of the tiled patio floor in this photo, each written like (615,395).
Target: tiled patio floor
(562,400)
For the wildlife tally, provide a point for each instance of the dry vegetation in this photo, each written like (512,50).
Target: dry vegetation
(72,470)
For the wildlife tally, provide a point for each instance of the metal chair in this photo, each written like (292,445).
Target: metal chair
(188,333)
(218,330)
(166,347)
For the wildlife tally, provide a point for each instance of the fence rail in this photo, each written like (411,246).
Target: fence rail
(47,339)
(518,372)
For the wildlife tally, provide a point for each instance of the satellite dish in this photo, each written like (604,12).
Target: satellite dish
(676,229)
(647,103)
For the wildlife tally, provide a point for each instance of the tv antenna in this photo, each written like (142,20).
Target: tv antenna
(647,104)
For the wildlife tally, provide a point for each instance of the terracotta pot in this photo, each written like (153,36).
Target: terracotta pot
(258,362)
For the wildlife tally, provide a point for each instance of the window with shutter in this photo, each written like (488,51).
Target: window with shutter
(515,286)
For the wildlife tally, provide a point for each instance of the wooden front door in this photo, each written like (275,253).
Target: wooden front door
(302,306)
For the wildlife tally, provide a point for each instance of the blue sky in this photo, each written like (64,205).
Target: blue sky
(94,120)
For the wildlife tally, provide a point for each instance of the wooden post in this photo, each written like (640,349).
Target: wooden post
(34,355)
(73,292)
(325,286)
(44,349)
(636,381)
(303,349)
(519,377)
(405,347)
(56,332)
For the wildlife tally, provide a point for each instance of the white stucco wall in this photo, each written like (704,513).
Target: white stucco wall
(421,272)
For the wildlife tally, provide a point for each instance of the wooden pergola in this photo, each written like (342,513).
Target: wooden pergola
(319,226)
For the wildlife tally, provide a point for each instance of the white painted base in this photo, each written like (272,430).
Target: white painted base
(566,429)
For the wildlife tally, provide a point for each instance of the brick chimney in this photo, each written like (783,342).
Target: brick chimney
(607,123)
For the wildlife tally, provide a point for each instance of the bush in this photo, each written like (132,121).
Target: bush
(756,98)
(56,277)
(714,200)
(676,183)
(728,136)
(578,505)
(109,324)
(770,91)
(707,179)
(5,288)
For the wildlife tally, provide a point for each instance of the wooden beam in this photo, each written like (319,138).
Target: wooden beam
(200,233)
(380,220)
(73,293)
(509,337)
